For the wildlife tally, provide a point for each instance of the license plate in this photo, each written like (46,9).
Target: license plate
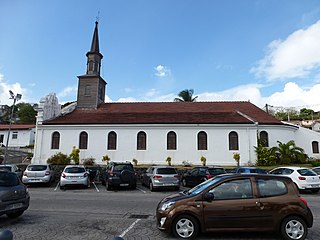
(14,206)
(124,184)
(314,185)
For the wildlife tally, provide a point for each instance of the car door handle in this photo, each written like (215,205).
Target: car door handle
(260,205)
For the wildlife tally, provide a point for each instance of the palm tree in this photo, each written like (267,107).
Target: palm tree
(289,153)
(186,96)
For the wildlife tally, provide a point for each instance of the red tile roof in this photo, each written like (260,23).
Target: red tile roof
(17,126)
(168,112)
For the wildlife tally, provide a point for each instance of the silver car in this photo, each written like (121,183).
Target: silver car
(38,173)
(12,168)
(161,177)
(74,175)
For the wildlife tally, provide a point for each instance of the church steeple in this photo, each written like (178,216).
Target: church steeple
(91,86)
(94,56)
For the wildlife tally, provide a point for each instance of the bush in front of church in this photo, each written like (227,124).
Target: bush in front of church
(59,159)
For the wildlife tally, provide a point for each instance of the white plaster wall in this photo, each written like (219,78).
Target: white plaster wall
(218,152)
(25,137)
(304,139)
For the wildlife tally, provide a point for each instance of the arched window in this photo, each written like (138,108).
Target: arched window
(202,141)
(233,141)
(83,140)
(315,147)
(55,140)
(264,139)
(112,141)
(141,141)
(171,141)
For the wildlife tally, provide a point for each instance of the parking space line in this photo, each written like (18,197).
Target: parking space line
(96,187)
(141,190)
(129,228)
(57,186)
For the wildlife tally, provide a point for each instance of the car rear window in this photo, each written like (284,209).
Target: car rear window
(271,187)
(119,167)
(4,168)
(257,170)
(166,171)
(37,167)
(306,172)
(216,171)
(8,179)
(74,170)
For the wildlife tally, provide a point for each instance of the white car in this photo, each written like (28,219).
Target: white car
(74,175)
(304,178)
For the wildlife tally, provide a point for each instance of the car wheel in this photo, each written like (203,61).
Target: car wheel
(62,187)
(294,228)
(184,182)
(151,186)
(186,227)
(134,186)
(108,186)
(15,214)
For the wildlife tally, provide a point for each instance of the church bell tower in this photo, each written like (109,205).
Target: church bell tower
(91,86)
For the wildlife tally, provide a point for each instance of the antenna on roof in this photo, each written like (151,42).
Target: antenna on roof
(97,17)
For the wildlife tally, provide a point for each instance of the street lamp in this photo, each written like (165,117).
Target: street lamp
(15,98)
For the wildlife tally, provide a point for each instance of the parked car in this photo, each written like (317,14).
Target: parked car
(38,173)
(198,175)
(14,196)
(157,177)
(250,170)
(12,168)
(74,175)
(237,202)
(304,178)
(316,170)
(119,174)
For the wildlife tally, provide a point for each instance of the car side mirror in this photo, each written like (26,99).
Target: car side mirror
(208,196)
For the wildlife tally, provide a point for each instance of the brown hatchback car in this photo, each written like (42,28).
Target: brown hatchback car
(237,202)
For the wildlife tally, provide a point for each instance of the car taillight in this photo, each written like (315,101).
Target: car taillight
(302,178)
(24,173)
(208,176)
(110,173)
(47,173)
(85,175)
(304,201)
(176,176)
(63,175)
(157,176)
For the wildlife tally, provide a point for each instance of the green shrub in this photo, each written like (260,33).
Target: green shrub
(315,163)
(59,159)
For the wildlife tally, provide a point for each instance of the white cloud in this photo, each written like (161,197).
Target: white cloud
(162,71)
(4,91)
(292,95)
(68,91)
(296,56)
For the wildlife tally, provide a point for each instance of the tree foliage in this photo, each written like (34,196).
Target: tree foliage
(26,113)
(186,96)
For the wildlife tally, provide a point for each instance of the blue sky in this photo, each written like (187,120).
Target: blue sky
(265,51)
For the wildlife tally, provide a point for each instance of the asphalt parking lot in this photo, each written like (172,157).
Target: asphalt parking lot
(96,213)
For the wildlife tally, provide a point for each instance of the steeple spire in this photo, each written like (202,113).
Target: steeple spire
(91,86)
(94,56)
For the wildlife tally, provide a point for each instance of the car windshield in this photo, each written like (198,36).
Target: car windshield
(199,188)
(37,168)
(166,171)
(5,168)
(74,170)
(216,171)
(8,179)
(306,172)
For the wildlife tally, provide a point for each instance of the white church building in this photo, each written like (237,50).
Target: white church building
(150,132)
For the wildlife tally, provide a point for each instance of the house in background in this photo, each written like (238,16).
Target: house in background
(21,135)
(153,131)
